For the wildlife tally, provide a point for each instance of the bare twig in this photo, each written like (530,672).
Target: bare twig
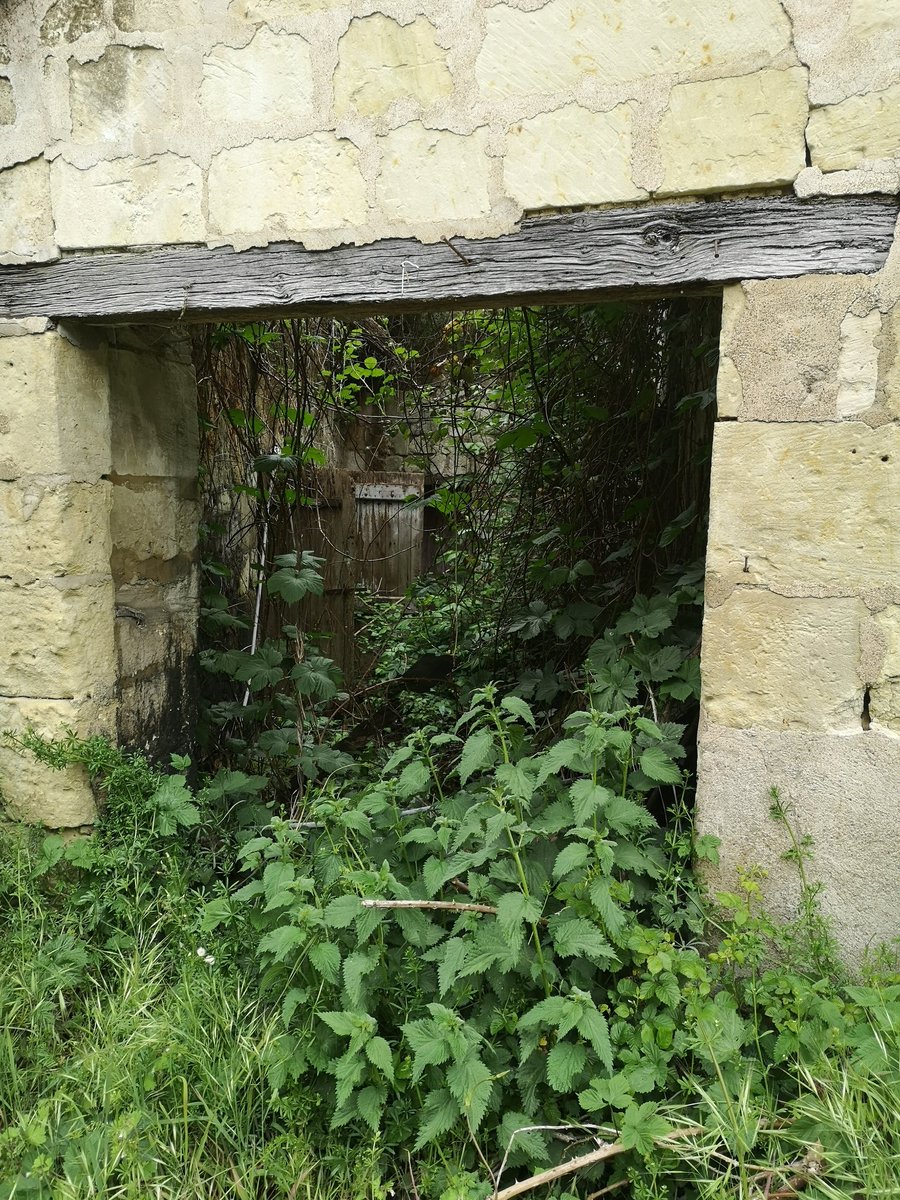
(610,1187)
(577,1164)
(443,905)
(412,1178)
(554,1173)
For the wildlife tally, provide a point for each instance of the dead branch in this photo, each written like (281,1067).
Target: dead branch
(584,1160)
(441,905)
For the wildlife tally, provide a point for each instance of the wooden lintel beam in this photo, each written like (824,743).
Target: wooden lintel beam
(634,252)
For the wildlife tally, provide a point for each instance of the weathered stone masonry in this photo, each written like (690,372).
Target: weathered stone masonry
(136,123)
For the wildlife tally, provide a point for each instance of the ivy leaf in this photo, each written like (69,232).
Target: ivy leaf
(657,765)
(477,753)
(641,1126)
(379,1055)
(440,1112)
(569,859)
(564,1062)
(326,958)
(719,1031)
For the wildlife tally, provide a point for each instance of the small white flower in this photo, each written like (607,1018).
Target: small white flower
(209,960)
(201,952)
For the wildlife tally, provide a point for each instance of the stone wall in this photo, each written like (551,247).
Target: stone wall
(133,122)
(801,640)
(98,521)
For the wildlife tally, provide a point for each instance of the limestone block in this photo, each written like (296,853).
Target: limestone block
(271,190)
(571,156)
(68,20)
(566,41)
(26,223)
(784,339)
(279,14)
(58,639)
(729,389)
(804,507)
(858,363)
(7,102)
(889,377)
(32,792)
(843,790)
(782,662)
(50,530)
(728,133)
(868,126)
(268,80)
(884,700)
(381,61)
(850,47)
(154,530)
(428,174)
(125,91)
(128,202)
(153,407)
(54,409)
(154,16)
(164,639)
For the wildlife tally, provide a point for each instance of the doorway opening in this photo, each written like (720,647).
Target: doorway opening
(400,510)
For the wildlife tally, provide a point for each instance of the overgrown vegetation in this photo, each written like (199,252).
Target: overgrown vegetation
(430,927)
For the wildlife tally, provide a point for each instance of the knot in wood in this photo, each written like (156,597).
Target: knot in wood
(664,235)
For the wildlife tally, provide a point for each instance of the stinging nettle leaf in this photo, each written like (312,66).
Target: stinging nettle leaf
(570,858)
(564,1062)
(477,753)
(326,958)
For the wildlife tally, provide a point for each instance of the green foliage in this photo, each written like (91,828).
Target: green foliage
(491,961)
(132,1057)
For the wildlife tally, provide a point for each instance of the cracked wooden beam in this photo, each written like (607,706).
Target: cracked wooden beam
(631,253)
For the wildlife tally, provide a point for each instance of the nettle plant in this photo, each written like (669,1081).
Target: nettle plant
(278,719)
(482,940)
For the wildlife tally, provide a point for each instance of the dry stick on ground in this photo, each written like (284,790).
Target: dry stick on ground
(610,1187)
(576,1164)
(444,905)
